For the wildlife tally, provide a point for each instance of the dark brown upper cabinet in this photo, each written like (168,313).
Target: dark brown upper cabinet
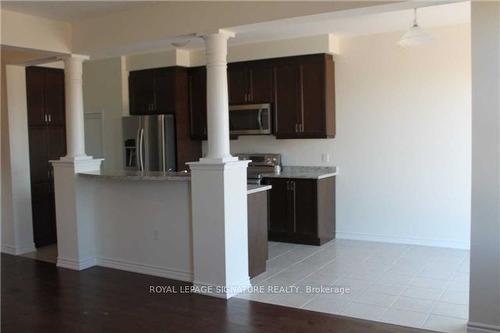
(250,82)
(167,90)
(197,85)
(152,91)
(45,98)
(238,83)
(304,101)
(301,91)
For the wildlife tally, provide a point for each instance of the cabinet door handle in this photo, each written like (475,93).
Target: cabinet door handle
(50,118)
(45,118)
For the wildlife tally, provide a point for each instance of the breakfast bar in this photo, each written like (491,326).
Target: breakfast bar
(142,222)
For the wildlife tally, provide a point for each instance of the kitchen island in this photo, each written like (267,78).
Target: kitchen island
(142,222)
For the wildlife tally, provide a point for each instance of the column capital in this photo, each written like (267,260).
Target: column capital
(218,32)
(80,57)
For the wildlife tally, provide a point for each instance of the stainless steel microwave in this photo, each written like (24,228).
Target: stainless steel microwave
(250,119)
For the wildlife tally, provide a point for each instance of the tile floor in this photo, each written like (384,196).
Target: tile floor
(45,253)
(417,286)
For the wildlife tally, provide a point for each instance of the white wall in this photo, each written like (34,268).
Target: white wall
(141,226)
(403,140)
(484,306)
(103,93)
(33,32)
(17,230)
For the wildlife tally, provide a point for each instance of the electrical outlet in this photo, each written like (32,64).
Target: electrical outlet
(156,235)
(325,157)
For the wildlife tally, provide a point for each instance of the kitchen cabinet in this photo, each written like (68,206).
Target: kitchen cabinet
(300,89)
(168,90)
(141,92)
(197,77)
(152,91)
(301,210)
(47,141)
(257,232)
(238,83)
(187,149)
(250,82)
(45,102)
(304,102)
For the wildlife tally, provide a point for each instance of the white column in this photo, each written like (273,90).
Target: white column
(75,135)
(217,97)
(74,220)
(484,305)
(219,192)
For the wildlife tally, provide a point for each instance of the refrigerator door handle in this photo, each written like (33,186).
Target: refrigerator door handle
(138,148)
(162,145)
(141,151)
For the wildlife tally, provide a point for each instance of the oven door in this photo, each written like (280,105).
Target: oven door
(250,119)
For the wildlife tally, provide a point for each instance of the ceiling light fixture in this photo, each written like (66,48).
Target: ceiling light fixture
(415,36)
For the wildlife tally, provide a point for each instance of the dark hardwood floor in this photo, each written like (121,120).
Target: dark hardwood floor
(39,297)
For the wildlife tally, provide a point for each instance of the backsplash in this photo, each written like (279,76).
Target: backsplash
(306,152)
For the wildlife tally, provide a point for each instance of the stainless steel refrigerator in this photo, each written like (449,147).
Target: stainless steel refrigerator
(149,143)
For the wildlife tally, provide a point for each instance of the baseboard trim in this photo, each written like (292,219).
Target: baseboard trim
(473,327)
(209,289)
(135,267)
(402,240)
(11,249)
(77,265)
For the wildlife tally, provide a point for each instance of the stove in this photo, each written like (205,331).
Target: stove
(260,163)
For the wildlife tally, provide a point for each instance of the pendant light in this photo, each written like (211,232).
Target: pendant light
(415,36)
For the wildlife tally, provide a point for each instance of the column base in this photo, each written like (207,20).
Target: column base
(74,220)
(220,227)
(482,328)
(225,292)
(217,160)
(76,265)
(79,164)
(75,158)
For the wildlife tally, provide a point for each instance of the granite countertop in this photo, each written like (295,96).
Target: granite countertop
(157,176)
(139,175)
(304,172)
(257,188)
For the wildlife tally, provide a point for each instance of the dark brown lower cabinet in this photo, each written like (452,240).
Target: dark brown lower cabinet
(257,233)
(43,206)
(301,210)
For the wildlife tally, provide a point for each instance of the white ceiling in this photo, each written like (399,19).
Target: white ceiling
(362,23)
(71,10)
(344,26)
(400,20)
